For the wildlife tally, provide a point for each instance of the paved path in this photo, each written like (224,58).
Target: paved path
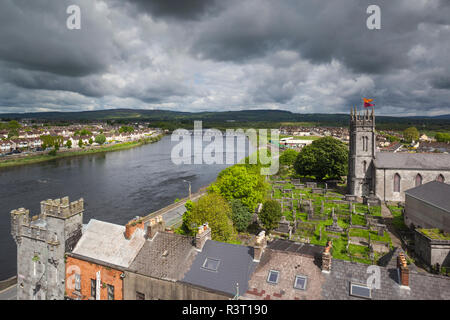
(172,214)
(387,218)
(9,294)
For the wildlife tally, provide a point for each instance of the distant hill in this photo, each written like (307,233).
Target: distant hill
(270,116)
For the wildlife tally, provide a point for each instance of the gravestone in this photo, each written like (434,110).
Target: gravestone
(311,184)
(334,227)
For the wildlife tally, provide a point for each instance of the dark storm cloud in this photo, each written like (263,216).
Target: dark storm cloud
(34,36)
(302,56)
(320,31)
(184,10)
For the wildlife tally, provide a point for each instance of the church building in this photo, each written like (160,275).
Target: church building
(387,174)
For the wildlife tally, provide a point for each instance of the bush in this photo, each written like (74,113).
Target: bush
(270,214)
(100,139)
(240,215)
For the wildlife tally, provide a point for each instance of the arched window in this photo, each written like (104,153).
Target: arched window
(397,182)
(365,166)
(418,180)
(440,178)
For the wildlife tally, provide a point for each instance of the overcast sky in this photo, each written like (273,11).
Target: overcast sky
(303,56)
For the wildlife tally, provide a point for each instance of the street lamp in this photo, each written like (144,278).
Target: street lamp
(189,188)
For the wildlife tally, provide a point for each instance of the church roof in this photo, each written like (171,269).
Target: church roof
(435,193)
(424,161)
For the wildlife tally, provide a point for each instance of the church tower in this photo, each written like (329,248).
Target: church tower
(361,152)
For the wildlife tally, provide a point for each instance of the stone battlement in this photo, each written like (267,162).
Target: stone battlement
(362,117)
(36,226)
(62,207)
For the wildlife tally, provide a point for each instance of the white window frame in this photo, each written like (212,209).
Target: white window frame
(278,276)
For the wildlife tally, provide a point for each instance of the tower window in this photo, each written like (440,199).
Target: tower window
(418,180)
(365,166)
(440,178)
(397,182)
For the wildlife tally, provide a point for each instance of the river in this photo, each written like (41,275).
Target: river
(116,186)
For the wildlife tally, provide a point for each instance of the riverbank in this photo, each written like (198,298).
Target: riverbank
(64,154)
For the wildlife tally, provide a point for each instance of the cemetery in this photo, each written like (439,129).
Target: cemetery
(315,213)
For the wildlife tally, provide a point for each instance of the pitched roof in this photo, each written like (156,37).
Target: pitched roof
(290,260)
(434,192)
(295,247)
(235,266)
(430,161)
(422,286)
(106,242)
(166,256)
(289,264)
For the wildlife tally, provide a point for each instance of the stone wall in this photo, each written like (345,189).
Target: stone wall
(424,215)
(157,289)
(432,251)
(384,178)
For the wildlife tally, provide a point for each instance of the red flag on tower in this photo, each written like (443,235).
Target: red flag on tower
(367,103)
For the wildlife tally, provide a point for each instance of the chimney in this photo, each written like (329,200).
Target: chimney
(203,234)
(326,257)
(155,225)
(131,227)
(402,266)
(260,245)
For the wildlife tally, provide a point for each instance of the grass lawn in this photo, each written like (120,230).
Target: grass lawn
(398,221)
(358,220)
(313,229)
(435,234)
(106,148)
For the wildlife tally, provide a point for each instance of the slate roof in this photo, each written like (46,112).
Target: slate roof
(430,161)
(167,256)
(289,265)
(106,242)
(296,247)
(290,259)
(422,286)
(236,265)
(434,192)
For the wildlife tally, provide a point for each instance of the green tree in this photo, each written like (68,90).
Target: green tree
(270,214)
(14,125)
(80,143)
(91,141)
(186,227)
(237,182)
(442,137)
(288,157)
(100,139)
(51,141)
(13,133)
(241,217)
(411,134)
(215,210)
(126,129)
(83,132)
(324,158)
(69,144)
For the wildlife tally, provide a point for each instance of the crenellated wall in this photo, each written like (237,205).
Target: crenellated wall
(42,241)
